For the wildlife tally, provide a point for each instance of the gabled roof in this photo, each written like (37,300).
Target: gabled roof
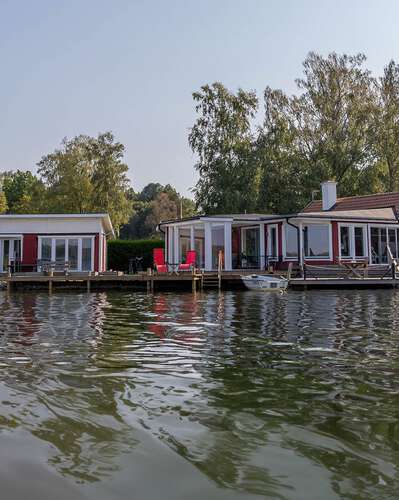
(366,202)
(378,214)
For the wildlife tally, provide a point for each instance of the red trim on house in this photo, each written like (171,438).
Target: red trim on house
(29,252)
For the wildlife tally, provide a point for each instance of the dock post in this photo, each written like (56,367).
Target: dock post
(88,283)
(50,281)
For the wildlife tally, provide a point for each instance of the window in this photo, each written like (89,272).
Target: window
(345,242)
(86,254)
(317,240)
(73,252)
(46,249)
(250,247)
(359,242)
(392,242)
(272,241)
(77,251)
(60,250)
(291,242)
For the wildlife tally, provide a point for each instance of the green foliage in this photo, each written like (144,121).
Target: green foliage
(120,251)
(222,138)
(155,203)
(3,202)
(87,175)
(342,124)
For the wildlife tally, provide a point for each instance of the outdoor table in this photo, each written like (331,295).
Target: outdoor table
(355,267)
(173,267)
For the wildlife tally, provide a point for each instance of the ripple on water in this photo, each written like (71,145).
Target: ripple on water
(262,394)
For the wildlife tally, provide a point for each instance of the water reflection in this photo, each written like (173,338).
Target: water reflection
(286,396)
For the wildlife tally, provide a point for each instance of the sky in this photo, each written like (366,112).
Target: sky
(70,67)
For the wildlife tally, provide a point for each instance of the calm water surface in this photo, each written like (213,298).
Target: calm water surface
(238,395)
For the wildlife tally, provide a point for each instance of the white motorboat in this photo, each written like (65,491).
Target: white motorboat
(263,282)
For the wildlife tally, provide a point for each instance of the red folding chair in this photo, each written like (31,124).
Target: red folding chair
(191,257)
(159,260)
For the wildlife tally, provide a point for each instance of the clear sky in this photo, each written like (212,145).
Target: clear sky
(84,66)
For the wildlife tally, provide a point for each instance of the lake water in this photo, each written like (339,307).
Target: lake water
(237,395)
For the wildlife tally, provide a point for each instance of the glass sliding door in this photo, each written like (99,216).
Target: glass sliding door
(59,250)
(10,254)
(250,250)
(76,252)
(73,254)
(380,238)
(6,255)
(272,243)
(86,254)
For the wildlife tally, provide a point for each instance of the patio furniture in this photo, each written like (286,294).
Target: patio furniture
(191,257)
(356,268)
(159,260)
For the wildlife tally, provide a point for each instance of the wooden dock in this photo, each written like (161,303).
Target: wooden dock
(172,281)
(109,280)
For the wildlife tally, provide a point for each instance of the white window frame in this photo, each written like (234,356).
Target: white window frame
(66,238)
(330,256)
(284,245)
(366,241)
(11,239)
(380,226)
(269,250)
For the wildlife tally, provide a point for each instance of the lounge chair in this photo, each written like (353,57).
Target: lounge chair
(159,260)
(191,257)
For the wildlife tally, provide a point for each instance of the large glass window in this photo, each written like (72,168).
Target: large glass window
(250,247)
(359,242)
(76,251)
(272,243)
(46,249)
(86,254)
(73,251)
(317,240)
(392,242)
(60,250)
(345,241)
(291,242)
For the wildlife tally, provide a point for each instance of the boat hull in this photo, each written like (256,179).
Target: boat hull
(264,283)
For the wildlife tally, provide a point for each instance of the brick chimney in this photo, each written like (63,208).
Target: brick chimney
(329,194)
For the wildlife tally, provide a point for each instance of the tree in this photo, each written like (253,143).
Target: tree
(332,119)
(386,126)
(155,203)
(22,192)
(222,138)
(3,202)
(87,174)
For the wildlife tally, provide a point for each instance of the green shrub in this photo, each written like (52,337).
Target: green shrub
(120,251)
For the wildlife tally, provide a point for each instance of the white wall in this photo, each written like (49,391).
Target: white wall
(73,225)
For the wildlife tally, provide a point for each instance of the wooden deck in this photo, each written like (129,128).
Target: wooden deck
(100,281)
(183,280)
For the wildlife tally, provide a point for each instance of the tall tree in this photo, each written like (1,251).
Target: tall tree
(222,139)
(88,174)
(386,126)
(332,118)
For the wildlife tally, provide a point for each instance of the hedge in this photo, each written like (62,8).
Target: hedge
(120,251)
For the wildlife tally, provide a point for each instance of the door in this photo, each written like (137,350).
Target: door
(10,254)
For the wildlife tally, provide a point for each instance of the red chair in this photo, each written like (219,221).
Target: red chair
(159,260)
(191,257)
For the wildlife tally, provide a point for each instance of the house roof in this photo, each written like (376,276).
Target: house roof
(366,202)
(103,216)
(380,214)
